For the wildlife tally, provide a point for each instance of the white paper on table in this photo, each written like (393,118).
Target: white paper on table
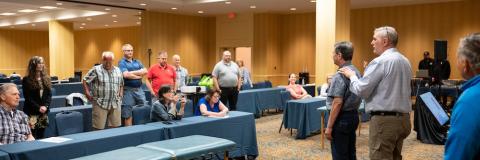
(226,116)
(55,139)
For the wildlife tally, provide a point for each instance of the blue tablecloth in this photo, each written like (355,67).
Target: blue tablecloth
(83,144)
(4,156)
(86,111)
(238,127)
(303,116)
(67,88)
(256,100)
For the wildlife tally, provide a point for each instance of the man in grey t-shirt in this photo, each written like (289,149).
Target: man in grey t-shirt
(343,119)
(226,79)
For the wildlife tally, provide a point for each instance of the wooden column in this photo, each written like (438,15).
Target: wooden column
(61,46)
(332,25)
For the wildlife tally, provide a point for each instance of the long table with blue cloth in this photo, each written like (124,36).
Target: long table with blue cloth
(83,144)
(238,127)
(303,116)
(86,111)
(256,100)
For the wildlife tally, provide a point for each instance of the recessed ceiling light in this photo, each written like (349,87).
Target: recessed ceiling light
(313,1)
(293,9)
(81,27)
(140,12)
(228,2)
(33,25)
(107,9)
(83,24)
(27,10)
(139,17)
(7,14)
(143,4)
(174,8)
(115,21)
(48,7)
(114,15)
(200,12)
(89,19)
(106,25)
(139,22)
(253,7)
(59,4)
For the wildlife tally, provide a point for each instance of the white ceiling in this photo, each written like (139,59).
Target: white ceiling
(128,11)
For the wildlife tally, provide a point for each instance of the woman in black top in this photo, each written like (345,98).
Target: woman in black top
(165,108)
(38,95)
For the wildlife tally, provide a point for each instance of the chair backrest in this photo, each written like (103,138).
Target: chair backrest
(319,90)
(285,97)
(246,87)
(69,122)
(141,114)
(54,91)
(268,84)
(5,80)
(77,101)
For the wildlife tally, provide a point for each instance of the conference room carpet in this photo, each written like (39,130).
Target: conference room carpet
(272,145)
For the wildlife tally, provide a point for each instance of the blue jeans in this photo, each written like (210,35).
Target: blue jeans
(343,134)
(132,97)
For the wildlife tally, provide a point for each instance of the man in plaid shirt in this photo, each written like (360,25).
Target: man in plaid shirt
(106,92)
(13,123)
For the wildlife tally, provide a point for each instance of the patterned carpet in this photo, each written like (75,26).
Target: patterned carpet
(273,145)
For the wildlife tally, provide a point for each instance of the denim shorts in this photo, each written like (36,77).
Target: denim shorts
(131,98)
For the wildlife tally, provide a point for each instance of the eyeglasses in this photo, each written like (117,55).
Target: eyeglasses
(217,96)
(128,50)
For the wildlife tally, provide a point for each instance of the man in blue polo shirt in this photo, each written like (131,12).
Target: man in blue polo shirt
(133,72)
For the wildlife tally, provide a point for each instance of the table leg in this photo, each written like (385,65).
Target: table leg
(322,134)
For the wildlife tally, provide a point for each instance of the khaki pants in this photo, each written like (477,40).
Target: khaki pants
(386,135)
(100,116)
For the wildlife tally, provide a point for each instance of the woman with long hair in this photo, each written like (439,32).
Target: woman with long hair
(296,91)
(165,109)
(38,95)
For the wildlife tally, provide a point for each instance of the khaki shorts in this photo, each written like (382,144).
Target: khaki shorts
(100,116)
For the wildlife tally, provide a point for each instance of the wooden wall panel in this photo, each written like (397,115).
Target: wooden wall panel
(89,45)
(283,44)
(265,52)
(188,36)
(418,26)
(18,46)
(297,47)
(62,50)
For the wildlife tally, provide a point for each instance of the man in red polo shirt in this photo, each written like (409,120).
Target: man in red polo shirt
(160,74)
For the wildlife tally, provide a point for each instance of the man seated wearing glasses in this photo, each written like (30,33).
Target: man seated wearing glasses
(211,106)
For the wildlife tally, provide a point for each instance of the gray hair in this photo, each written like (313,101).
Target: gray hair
(107,54)
(388,32)
(469,48)
(126,45)
(175,56)
(5,87)
(345,49)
